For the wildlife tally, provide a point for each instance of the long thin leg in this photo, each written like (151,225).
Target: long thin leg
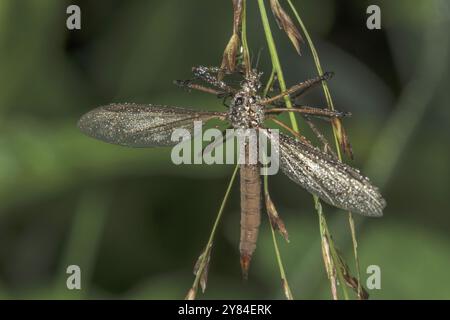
(320,136)
(294,133)
(190,85)
(318,112)
(298,89)
(217,143)
(208,74)
(313,83)
(316,132)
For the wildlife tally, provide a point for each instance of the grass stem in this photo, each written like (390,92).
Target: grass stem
(205,255)
(330,104)
(276,70)
(275,60)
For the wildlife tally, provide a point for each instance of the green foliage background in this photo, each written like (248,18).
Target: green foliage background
(135,222)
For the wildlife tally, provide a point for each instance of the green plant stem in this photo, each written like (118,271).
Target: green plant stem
(336,140)
(276,61)
(277,67)
(269,82)
(319,70)
(214,228)
(277,70)
(286,288)
(336,260)
(285,283)
(355,251)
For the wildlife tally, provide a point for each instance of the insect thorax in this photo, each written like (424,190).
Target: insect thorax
(245,110)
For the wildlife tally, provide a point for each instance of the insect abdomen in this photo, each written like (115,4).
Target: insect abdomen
(250,213)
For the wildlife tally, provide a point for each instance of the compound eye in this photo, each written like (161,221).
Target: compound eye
(239,101)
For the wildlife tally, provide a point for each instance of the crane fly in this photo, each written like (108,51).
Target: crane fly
(320,173)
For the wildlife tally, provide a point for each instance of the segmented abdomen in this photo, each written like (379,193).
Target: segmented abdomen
(250,212)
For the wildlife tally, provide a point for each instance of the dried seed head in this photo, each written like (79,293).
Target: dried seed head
(237,15)
(285,22)
(329,265)
(202,265)
(342,137)
(351,281)
(191,294)
(286,289)
(230,53)
(275,220)
(229,56)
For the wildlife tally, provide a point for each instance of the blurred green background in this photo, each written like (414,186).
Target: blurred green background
(135,223)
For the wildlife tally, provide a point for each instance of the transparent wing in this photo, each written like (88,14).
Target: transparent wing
(136,125)
(331,180)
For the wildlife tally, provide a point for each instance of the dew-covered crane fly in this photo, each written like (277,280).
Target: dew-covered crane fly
(318,172)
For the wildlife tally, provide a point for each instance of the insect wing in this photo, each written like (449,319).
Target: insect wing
(331,180)
(136,125)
